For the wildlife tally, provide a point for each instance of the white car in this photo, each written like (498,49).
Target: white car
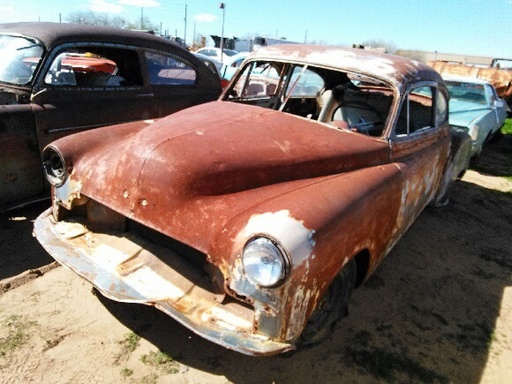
(215,53)
(476,107)
(231,65)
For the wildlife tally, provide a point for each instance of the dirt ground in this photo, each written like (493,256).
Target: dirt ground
(439,309)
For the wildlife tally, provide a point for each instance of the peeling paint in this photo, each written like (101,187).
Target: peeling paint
(294,237)
(68,192)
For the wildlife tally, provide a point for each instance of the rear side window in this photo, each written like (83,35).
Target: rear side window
(169,70)
(90,66)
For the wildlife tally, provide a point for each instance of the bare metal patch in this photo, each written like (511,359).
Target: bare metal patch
(293,236)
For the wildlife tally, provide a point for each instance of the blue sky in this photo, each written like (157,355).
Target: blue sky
(471,27)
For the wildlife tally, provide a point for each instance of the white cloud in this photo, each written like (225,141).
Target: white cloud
(105,7)
(140,3)
(205,18)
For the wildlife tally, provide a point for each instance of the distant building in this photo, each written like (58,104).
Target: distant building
(426,56)
(248,45)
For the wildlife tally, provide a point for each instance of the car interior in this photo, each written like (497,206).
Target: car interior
(343,100)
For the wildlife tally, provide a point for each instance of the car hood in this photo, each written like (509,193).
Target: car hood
(209,163)
(462,113)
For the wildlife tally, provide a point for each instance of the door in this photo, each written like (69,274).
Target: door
(21,174)
(419,146)
(84,86)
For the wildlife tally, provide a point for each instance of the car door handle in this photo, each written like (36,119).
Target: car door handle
(146,94)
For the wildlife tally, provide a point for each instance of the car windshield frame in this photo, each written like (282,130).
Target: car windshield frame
(21,56)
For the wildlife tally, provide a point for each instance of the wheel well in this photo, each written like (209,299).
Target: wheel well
(362,260)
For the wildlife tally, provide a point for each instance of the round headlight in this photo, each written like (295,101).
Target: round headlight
(264,262)
(54,167)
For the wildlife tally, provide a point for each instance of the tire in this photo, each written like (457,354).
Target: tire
(331,308)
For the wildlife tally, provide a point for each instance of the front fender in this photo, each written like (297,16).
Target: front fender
(321,224)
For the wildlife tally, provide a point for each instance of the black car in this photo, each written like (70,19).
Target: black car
(57,79)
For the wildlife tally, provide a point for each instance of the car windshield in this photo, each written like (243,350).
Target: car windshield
(463,91)
(19,59)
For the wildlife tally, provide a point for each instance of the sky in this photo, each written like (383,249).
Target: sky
(467,27)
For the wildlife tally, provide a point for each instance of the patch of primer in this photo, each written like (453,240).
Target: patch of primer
(291,233)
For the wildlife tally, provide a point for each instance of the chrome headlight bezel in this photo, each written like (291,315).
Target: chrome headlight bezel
(265,262)
(54,166)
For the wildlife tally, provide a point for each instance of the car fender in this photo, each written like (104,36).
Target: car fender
(330,219)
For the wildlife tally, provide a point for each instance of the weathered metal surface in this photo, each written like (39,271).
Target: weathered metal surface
(213,176)
(129,269)
(396,70)
(501,79)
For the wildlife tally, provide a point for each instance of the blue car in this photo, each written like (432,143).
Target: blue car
(475,107)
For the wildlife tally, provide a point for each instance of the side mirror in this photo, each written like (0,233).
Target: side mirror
(498,103)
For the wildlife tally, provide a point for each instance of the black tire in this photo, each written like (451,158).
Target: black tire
(331,308)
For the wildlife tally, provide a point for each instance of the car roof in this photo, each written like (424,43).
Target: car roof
(396,70)
(465,79)
(51,34)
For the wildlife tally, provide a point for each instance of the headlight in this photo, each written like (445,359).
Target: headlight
(54,167)
(473,132)
(264,261)
(459,128)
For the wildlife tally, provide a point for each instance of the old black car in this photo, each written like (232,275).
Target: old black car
(58,79)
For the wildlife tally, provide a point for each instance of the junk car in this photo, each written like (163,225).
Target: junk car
(476,108)
(251,219)
(57,79)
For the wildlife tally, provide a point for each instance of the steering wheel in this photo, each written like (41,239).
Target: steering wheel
(371,127)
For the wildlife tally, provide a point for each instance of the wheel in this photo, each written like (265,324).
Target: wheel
(331,308)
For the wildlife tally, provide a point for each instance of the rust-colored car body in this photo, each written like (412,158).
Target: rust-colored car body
(165,214)
(57,79)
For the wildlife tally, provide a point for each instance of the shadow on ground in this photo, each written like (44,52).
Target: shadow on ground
(426,315)
(20,251)
(496,157)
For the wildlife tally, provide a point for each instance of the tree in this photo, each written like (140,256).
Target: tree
(388,46)
(94,18)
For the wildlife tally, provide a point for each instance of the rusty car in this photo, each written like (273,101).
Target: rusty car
(251,219)
(57,79)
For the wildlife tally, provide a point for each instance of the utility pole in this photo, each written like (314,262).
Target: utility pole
(185,34)
(194,37)
(223,7)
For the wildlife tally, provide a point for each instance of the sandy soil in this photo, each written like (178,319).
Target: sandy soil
(439,309)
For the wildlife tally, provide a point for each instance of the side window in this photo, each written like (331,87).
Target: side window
(417,111)
(94,66)
(258,80)
(169,70)
(491,95)
(304,82)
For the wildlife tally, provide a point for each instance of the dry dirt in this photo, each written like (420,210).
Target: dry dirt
(439,309)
